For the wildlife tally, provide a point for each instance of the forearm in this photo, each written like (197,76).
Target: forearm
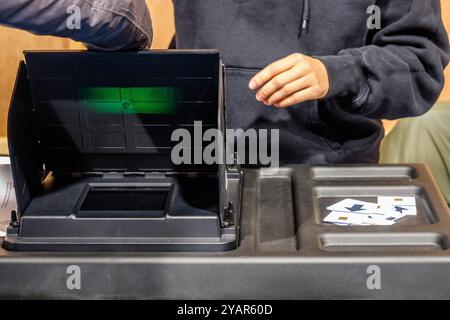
(400,71)
(102,24)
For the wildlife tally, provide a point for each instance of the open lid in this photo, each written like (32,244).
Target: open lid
(103,112)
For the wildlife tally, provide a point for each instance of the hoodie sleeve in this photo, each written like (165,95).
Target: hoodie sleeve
(400,73)
(101,24)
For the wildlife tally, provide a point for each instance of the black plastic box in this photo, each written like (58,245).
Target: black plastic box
(90,143)
(278,245)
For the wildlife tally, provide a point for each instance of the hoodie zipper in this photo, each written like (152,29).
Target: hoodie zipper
(304,22)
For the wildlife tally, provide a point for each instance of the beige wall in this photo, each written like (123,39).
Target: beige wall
(14,42)
(446,17)
(163,22)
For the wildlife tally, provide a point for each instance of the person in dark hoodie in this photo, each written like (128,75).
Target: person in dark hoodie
(315,71)
(310,68)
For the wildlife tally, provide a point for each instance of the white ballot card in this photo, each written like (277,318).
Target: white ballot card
(404,205)
(7,197)
(397,201)
(352,205)
(356,219)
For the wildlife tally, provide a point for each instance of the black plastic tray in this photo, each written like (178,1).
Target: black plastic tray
(285,252)
(304,194)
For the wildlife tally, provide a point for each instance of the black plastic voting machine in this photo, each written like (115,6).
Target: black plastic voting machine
(92,158)
(90,137)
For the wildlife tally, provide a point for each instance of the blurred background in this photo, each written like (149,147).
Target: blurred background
(14,42)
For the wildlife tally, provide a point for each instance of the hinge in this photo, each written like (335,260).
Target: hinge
(121,175)
(14,222)
(228,215)
(113,175)
(155,175)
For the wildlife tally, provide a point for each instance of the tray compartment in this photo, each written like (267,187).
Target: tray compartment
(360,173)
(383,242)
(275,224)
(324,196)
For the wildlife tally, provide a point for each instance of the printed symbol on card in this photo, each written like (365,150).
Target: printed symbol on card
(352,205)
(400,209)
(355,207)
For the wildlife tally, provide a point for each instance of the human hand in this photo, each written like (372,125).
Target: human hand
(290,81)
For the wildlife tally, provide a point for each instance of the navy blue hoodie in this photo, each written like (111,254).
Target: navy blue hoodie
(390,73)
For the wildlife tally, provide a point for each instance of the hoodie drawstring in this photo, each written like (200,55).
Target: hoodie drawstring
(304,23)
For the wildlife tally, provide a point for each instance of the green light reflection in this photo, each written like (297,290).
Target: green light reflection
(131,100)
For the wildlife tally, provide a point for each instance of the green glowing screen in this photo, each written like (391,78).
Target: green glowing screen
(132,100)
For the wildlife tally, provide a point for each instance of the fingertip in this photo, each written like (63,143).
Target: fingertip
(253,85)
(283,104)
(258,98)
